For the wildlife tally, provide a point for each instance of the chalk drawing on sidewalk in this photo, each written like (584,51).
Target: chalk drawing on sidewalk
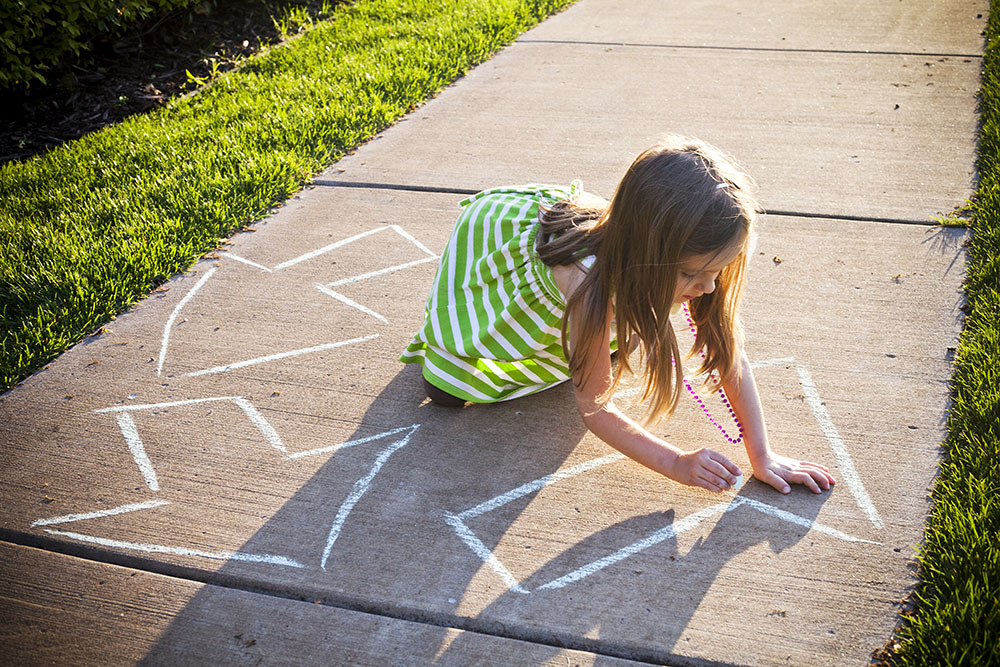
(228,255)
(111,511)
(279,355)
(173,316)
(340,244)
(362,485)
(400,437)
(327,289)
(244,556)
(271,559)
(845,464)
(129,418)
(131,432)
(458,521)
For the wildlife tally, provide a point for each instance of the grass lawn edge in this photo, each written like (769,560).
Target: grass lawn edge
(92,227)
(953,616)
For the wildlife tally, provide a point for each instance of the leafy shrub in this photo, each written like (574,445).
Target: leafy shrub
(37,34)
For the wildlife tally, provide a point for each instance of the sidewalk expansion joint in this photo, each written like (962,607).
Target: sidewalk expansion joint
(467,191)
(763,49)
(319,597)
(394,186)
(851,218)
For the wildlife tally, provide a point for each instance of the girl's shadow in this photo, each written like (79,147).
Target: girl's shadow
(396,557)
(641,606)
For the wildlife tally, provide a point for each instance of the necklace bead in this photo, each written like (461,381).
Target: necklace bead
(721,392)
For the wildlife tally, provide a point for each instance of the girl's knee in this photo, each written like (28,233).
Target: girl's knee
(441,397)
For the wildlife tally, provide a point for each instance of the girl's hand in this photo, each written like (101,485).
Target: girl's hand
(781,471)
(705,468)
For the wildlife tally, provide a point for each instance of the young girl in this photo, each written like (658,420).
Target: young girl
(543,284)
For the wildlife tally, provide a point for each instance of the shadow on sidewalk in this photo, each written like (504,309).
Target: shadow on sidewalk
(395,555)
(659,590)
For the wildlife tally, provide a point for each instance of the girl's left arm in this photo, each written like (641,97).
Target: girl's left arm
(774,469)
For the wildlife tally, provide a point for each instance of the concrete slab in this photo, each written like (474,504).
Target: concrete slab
(60,610)
(841,134)
(913,26)
(251,427)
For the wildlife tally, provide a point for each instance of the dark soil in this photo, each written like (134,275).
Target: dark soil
(140,70)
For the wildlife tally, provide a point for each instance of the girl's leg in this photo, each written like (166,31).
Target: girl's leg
(441,397)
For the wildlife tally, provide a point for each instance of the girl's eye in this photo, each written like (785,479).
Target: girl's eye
(687,275)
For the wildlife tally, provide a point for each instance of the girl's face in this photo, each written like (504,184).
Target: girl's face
(698,273)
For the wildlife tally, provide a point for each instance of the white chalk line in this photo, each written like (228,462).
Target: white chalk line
(338,244)
(280,355)
(481,550)
(464,533)
(457,522)
(170,404)
(360,488)
(179,551)
(111,511)
(692,521)
(538,484)
(328,248)
(252,413)
(131,434)
(809,524)
(326,289)
(262,424)
(245,261)
(823,420)
(767,363)
(844,461)
(353,304)
(665,533)
(173,316)
(351,443)
(409,237)
(379,272)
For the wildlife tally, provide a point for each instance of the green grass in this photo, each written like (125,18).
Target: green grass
(91,227)
(955,618)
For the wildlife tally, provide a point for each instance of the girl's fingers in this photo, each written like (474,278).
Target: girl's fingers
(804,478)
(776,481)
(820,473)
(809,482)
(712,481)
(815,466)
(730,466)
(820,477)
(727,465)
(815,476)
(721,474)
(711,486)
(825,480)
(717,484)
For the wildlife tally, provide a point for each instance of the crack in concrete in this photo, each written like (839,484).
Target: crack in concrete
(439,189)
(95,554)
(765,49)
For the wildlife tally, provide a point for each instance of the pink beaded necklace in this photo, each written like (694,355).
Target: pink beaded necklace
(722,394)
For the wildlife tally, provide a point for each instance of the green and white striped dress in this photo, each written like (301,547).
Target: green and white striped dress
(492,330)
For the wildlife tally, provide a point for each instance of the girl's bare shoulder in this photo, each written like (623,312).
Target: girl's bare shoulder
(568,278)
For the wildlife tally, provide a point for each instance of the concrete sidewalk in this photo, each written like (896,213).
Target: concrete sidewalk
(186,486)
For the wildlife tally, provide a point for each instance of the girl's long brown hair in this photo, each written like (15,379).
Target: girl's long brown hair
(679,198)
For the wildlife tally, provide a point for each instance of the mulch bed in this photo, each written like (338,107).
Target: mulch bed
(138,71)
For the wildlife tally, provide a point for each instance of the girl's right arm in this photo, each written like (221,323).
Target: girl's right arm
(703,467)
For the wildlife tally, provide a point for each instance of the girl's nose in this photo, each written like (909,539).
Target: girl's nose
(707,285)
